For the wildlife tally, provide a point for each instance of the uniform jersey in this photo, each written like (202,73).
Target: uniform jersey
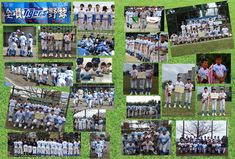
(43,35)
(23,40)
(134,73)
(220,70)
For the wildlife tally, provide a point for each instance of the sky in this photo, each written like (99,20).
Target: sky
(89,112)
(220,133)
(128,66)
(142,98)
(170,71)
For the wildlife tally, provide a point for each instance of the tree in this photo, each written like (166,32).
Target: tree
(198,129)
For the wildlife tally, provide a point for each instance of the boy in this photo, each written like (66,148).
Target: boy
(168,92)
(149,76)
(23,41)
(85,74)
(43,37)
(178,95)
(30,45)
(222,97)
(203,72)
(134,75)
(188,93)
(219,71)
(19,117)
(214,103)
(141,82)
(205,101)
(67,45)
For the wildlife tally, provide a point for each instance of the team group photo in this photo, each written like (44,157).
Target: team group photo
(92,96)
(96,43)
(90,120)
(143,107)
(143,18)
(202,138)
(147,47)
(37,109)
(19,43)
(57,42)
(36,74)
(142,138)
(44,144)
(199,28)
(178,89)
(94,15)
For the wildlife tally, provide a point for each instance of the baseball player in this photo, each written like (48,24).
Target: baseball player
(149,76)
(168,92)
(43,36)
(59,37)
(81,17)
(50,37)
(213,102)
(67,45)
(188,93)
(205,101)
(178,96)
(133,79)
(30,45)
(105,18)
(222,97)
(23,41)
(89,15)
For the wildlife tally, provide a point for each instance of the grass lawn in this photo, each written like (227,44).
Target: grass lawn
(127,85)
(178,112)
(202,47)
(228,108)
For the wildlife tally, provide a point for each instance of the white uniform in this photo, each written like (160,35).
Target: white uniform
(105,20)
(23,41)
(81,17)
(178,96)
(222,97)
(89,14)
(188,94)
(134,75)
(205,101)
(43,36)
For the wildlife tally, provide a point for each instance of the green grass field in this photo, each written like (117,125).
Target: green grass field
(174,112)
(228,108)
(118,115)
(202,47)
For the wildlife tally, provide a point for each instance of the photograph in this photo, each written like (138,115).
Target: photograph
(36,12)
(140,79)
(44,144)
(99,145)
(37,109)
(144,18)
(147,47)
(143,107)
(144,138)
(201,138)
(213,68)
(56,42)
(95,43)
(94,15)
(213,101)
(19,43)
(90,120)
(38,73)
(92,96)
(199,28)
(94,70)
(178,89)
